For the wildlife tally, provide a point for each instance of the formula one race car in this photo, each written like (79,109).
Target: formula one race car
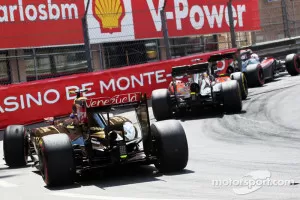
(91,140)
(200,88)
(258,70)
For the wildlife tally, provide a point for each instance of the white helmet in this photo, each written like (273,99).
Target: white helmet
(254,56)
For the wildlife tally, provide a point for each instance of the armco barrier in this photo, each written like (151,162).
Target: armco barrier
(33,101)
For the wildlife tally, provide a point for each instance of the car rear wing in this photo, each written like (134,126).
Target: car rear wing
(223,56)
(106,104)
(190,69)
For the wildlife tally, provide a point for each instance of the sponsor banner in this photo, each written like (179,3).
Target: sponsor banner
(110,21)
(123,20)
(118,99)
(35,23)
(33,101)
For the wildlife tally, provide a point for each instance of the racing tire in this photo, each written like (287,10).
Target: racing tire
(242,81)
(161,102)
(56,157)
(170,145)
(15,146)
(292,64)
(232,100)
(255,75)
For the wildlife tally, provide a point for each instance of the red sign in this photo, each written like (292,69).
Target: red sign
(125,20)
(33,101)
(37,23)
(34,23)
(193,17)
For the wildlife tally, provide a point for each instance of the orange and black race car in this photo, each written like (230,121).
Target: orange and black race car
(92,140)
(199,85)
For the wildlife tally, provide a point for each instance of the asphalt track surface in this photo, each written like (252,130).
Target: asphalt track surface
(265,136)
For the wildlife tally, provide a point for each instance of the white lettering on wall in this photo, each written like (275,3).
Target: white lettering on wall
(199,15)
(35,11)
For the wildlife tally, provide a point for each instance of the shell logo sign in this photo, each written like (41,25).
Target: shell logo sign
(109,13)
(127,20)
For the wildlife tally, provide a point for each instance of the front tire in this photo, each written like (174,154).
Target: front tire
(56,160)
(241,79)
(292,63)
(15,146)
(171,146)
(232,100)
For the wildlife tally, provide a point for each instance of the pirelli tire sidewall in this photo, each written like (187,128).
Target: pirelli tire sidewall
(15,146)
(56,157)
(170,146)
(232,99)
(292,64)
(242,81)
(255,75)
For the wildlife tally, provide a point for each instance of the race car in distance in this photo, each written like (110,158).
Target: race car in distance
(91,140)
(196,86)
(258,70)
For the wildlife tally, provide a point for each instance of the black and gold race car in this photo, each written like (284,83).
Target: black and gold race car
(90,139)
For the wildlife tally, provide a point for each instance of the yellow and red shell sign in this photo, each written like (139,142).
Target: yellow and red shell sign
(109,13)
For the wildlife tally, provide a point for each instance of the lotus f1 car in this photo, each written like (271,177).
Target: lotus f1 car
(197,86)
(91,140)
(258,70)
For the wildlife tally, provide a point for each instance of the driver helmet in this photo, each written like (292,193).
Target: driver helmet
(254,56)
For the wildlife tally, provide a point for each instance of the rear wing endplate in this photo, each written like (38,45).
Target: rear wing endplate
(218,57)
(190,69)
(120,100)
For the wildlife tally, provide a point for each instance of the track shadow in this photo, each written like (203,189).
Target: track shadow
(205,114)
(200,113)
(119,176)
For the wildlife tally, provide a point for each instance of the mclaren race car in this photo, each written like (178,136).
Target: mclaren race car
(90,139)
(258,70)
(196,86)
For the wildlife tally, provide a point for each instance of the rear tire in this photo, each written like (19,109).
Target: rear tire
(232,100)
(161,104)
(292,63)
(56,160)
(171,146)
(242,81)
(15,146)
(255,75)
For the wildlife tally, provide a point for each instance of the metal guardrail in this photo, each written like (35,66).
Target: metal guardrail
(276,48)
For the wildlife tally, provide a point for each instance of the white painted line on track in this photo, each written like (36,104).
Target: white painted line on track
(83,196)
(7,184)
